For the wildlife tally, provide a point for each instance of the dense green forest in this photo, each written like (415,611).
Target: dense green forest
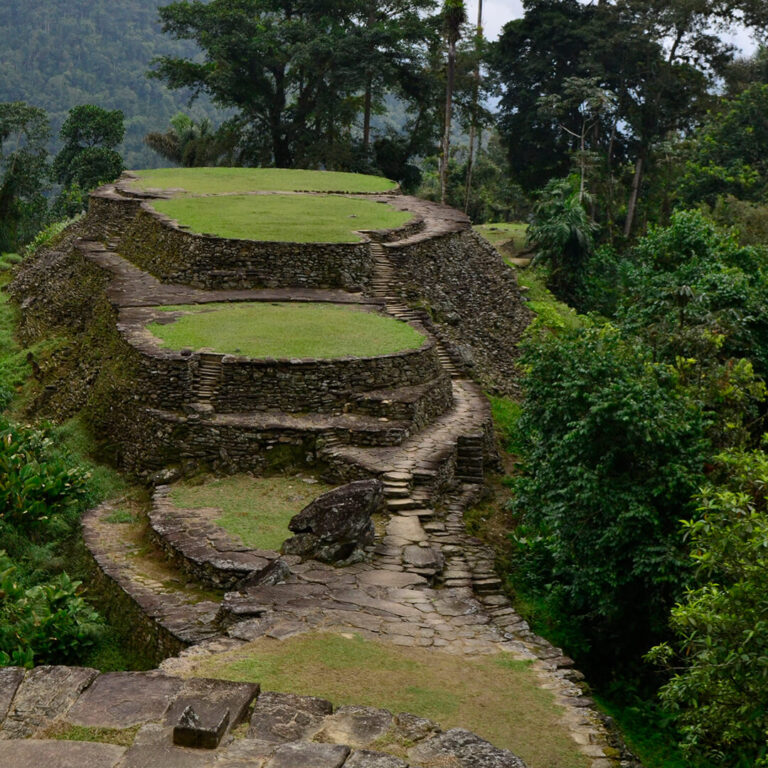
(630,144)
(57,55)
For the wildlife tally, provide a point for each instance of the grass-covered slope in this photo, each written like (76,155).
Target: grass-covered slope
(282,218)
(227,180)
(286,330)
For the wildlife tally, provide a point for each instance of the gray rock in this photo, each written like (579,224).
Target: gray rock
(467,749)
(30,753)
(201,732)
(275,573)
(356,726)
(366,759)
(308,755)
(411,728)
(10,679)
(246,753)
(45,694)
(283,717)
(211,698)
(125,699)
(337,525)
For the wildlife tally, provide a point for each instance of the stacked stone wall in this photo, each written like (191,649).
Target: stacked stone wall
(155,244)
(472,296)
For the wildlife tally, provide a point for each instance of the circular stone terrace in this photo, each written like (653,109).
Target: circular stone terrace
(385,398)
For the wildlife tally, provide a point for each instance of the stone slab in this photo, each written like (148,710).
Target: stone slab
(366,759)
(10,679)
(45,694)
(125,699)
(246,753)
(308,755)
(210,698)
(284,717)
(356,726)
(31,753)
(466,748)
(394,579)
(153,748)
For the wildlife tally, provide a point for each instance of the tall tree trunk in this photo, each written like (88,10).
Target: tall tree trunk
(447,129)
(634,194)
(475,101)
(367,108)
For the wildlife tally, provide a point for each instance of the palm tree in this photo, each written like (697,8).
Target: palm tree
(454,16)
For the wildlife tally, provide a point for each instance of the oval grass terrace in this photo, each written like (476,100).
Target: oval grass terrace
(284,330)
(229,180)
(282,218)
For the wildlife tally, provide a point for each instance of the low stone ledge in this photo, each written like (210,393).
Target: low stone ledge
(206,552)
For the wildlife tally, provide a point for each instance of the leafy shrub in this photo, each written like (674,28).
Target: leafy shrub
(39,487)
(720,697)
(44,623)
(613,453)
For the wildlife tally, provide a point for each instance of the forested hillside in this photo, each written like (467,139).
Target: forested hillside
(57,54)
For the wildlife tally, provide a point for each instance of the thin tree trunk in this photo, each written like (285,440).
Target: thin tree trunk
(633,195)
(447,129)
(475,101)
(368,106)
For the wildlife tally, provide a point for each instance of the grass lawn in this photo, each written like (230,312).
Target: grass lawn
(494,696)
(219,180)
(257,510)
(283,218)
(286,330)
(511,234)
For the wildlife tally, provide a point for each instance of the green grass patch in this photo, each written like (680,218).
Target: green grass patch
(222,180)
(494,696)
(509,236)
(256,510)
(123,737)
(286,330)
(506,413)
(283,218)
(550,312)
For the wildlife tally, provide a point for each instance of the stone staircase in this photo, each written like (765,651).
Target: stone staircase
(207,381)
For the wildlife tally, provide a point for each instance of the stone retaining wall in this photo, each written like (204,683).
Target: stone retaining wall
(472,296)
(172,379)
(157,245)
(125,612)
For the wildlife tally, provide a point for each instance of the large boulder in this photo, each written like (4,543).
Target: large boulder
(336,526)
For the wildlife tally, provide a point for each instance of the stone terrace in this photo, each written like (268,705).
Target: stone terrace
(424,582)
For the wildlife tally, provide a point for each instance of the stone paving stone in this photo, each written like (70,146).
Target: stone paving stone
(356,726)
(390,579)
(284,717)
(124,699)
(309,755)
(467,749)
(32,753)
(154,748)
(10,679)
(367,759)
(246,753)
(45,694)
